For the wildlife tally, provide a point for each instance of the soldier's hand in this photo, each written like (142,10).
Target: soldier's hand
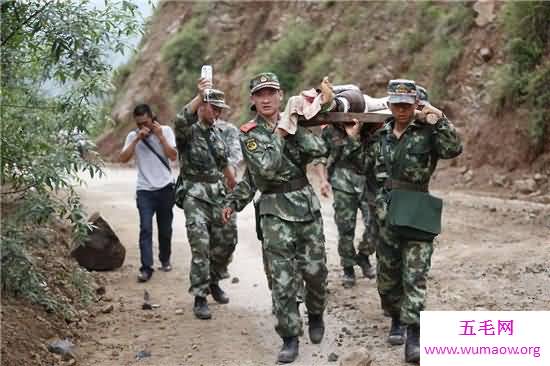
(281,132)
(325,188)
(425,117)
(353,129)
(431,114)
(203,85)
(231,182)
(429,109)
(226,214)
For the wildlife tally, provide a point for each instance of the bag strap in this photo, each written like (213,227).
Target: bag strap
(162,160)
(386,154)
(393,183)
(207,137)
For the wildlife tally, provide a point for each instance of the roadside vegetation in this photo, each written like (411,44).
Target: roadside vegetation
(523,80)
(54,77)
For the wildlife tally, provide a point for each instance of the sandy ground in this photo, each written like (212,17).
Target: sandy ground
(494,254)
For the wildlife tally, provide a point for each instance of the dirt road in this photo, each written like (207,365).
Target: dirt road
(494,254)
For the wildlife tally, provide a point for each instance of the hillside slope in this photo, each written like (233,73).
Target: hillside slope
(451,48)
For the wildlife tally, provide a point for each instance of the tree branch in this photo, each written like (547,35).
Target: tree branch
(5,40)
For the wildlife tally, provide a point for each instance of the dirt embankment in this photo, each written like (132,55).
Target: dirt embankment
(495,146)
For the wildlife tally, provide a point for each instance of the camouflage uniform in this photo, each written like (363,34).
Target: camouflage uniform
(230,136)
(347,184)
(203,156)
(403,264)
(290,216)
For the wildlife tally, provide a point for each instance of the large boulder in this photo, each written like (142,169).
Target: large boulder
(102,250)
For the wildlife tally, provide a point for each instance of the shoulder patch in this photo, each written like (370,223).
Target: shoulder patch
(248,126)
(251,144)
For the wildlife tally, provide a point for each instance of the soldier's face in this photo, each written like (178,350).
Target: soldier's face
(209,113)
(402,112)
(267,101)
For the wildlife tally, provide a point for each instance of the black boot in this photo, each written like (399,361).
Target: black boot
(349,277)
(412,347)
(218,294)
(316,327)
(397,332)
(289,351)
(201,308)
(364,262)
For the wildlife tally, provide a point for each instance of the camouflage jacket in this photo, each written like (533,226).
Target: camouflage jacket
(273,160)
(412,158)
(344,174)
(202,154)
(230,136)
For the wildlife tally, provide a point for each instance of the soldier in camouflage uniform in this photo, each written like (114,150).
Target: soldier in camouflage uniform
(371,235)
(230,136)
(201,190)
(289,210)
(403,156)
(347,183)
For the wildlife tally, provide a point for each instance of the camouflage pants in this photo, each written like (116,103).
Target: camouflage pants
(345,215)
(402,268)
(294,249)
(300,293)
(230,239)
(371,235)
(210,252)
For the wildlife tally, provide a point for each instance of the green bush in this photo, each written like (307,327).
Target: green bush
(286,56)
(539,98)
(184,55)
(54,78)
(19,275)
(444,56)
(440,26)
(317,68)
(525,78)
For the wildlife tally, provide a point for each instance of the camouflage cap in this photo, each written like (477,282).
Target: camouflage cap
(422,95)
(402,91)
(215,97)
(264,80)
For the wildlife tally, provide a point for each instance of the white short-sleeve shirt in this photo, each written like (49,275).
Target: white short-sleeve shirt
(152,174)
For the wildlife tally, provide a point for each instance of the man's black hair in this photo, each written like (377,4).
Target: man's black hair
(143,109)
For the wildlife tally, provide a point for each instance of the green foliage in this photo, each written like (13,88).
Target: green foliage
(316,68)
(54,78)
(539,97)
(121,74)
(525,79)
(526,25)
(286,56)
(19,276)
(444,58)
(439,26)
(80,280)
(185,53)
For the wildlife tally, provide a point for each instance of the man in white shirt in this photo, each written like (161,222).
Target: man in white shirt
(153,145)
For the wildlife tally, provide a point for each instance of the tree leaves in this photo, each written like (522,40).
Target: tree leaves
(54,76)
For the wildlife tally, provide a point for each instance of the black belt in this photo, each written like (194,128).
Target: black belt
(399,184)
(291,185)
(202,178)
(347,165)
